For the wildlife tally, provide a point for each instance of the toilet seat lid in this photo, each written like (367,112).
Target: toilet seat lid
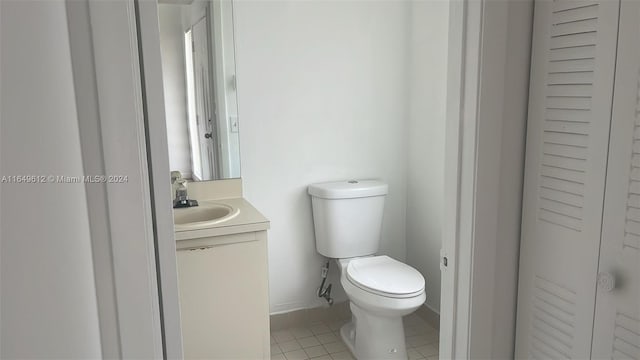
(385,276)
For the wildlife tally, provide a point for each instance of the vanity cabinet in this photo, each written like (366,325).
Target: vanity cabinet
(224,296)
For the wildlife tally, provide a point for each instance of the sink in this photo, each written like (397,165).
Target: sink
(203,216)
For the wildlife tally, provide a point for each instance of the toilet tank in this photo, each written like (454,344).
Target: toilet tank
(347,217)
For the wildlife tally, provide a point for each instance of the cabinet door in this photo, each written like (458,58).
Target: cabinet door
(617,316)
(224,301)
(573,61)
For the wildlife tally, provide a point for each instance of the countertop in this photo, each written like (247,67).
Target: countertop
(249,219)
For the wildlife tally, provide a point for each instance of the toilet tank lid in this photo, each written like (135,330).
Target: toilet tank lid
(348,189)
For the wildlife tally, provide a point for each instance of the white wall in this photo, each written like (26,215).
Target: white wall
(428,44)
(48,305)
(175,98)
(322,96)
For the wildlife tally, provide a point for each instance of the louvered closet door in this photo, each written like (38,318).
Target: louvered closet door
(573,61)
(617,320)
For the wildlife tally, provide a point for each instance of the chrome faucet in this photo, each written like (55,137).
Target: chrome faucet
(179,186)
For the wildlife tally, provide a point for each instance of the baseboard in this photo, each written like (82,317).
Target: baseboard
(339,311)
(429,315)
(305,317)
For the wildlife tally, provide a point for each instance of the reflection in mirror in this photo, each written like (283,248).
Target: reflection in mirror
(198,66)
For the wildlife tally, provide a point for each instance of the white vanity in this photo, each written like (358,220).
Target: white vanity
(223,274)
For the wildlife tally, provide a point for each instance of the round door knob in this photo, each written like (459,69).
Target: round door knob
(606,281)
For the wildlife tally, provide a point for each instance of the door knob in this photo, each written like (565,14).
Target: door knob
(606,281)
(208,135)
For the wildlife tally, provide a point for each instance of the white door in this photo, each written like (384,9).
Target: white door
(573,63)
(204,113)
(617,316)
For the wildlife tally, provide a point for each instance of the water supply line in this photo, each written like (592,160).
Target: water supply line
(322,291)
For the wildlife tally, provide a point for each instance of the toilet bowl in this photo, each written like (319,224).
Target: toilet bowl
(381,291)
(347,218)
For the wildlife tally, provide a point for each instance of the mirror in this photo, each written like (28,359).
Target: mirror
(198,68)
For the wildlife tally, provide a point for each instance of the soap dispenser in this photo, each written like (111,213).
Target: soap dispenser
(175,176)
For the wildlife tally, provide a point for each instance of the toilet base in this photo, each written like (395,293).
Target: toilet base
(371,336)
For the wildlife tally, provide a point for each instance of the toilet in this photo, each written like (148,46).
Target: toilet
(347,218)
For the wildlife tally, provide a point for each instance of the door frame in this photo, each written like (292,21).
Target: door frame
(477,135)
(111,102)
(208,123)
(487,97)
(158,159)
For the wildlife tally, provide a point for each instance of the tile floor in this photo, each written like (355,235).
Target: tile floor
(321,341)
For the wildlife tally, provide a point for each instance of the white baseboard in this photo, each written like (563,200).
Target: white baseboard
(303,317)
(429,315)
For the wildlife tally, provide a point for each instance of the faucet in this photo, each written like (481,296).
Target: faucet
(179,185)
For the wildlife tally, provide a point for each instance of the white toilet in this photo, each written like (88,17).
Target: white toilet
(347,217)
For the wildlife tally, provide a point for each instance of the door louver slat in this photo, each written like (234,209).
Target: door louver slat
(568,109)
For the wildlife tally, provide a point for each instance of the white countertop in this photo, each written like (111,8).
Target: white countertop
(249,219)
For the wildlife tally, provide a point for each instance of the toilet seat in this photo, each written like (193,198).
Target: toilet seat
(384,276)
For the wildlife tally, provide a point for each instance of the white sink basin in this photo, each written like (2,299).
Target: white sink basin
(202,216)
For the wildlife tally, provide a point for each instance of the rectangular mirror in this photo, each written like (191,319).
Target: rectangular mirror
(199,72)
